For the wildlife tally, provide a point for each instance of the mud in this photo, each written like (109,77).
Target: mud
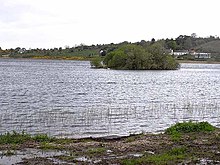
(201,148)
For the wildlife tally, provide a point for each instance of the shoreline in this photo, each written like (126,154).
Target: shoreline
(199,144)
(74,58)
(198,62)
(80,58)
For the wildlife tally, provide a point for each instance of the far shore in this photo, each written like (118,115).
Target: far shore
(75,58)
(81,58)
(198,62)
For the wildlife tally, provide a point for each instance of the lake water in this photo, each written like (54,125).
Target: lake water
(68,98)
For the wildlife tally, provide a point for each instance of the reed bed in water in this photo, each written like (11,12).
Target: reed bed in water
(107,119)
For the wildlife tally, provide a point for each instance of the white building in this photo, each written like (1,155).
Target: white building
(180,52)
(202,55)
(193,53)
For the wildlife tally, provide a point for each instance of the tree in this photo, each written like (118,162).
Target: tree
(153,40)
(193,35)
(171,44)
(136,57)
(188,44)
(96,62)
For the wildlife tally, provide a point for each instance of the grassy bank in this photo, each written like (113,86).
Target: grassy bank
(78,58)
(184,143)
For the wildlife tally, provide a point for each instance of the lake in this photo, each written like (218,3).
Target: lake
(69,99)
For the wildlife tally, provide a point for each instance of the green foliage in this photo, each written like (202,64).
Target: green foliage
(170,63)
(131,162)
(96,62)
(116,59)
(19,138)
(212,47)
(42,138)
(171,44)
(96,151)
(182,42)
(135,57)
(49,146)
(173,156)
(177,151)
(187,127)
(176,136)
(14,138)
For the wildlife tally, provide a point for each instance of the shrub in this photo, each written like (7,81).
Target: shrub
(96,62)
(136,57)
(190,126)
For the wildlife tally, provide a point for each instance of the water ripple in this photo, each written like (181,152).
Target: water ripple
(67,98)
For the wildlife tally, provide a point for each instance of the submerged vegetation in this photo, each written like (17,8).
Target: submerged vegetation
(199,144)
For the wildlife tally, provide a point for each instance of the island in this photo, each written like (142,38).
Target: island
(137,57)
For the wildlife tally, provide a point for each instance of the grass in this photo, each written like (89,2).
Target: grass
(187,127)
(96,151)
(42,138)
(174,156)
(176,136)
(192,143)
(19,138)
(14,138)
(49,146)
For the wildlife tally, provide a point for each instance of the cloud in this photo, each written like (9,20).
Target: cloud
(10,12)
(49,23)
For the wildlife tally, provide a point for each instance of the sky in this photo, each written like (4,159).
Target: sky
(60,23)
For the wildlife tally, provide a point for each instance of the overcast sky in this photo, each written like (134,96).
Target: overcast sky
(56,23)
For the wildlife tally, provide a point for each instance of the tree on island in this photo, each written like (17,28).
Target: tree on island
(136,57)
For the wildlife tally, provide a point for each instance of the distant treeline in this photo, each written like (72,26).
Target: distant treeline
(209,44)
